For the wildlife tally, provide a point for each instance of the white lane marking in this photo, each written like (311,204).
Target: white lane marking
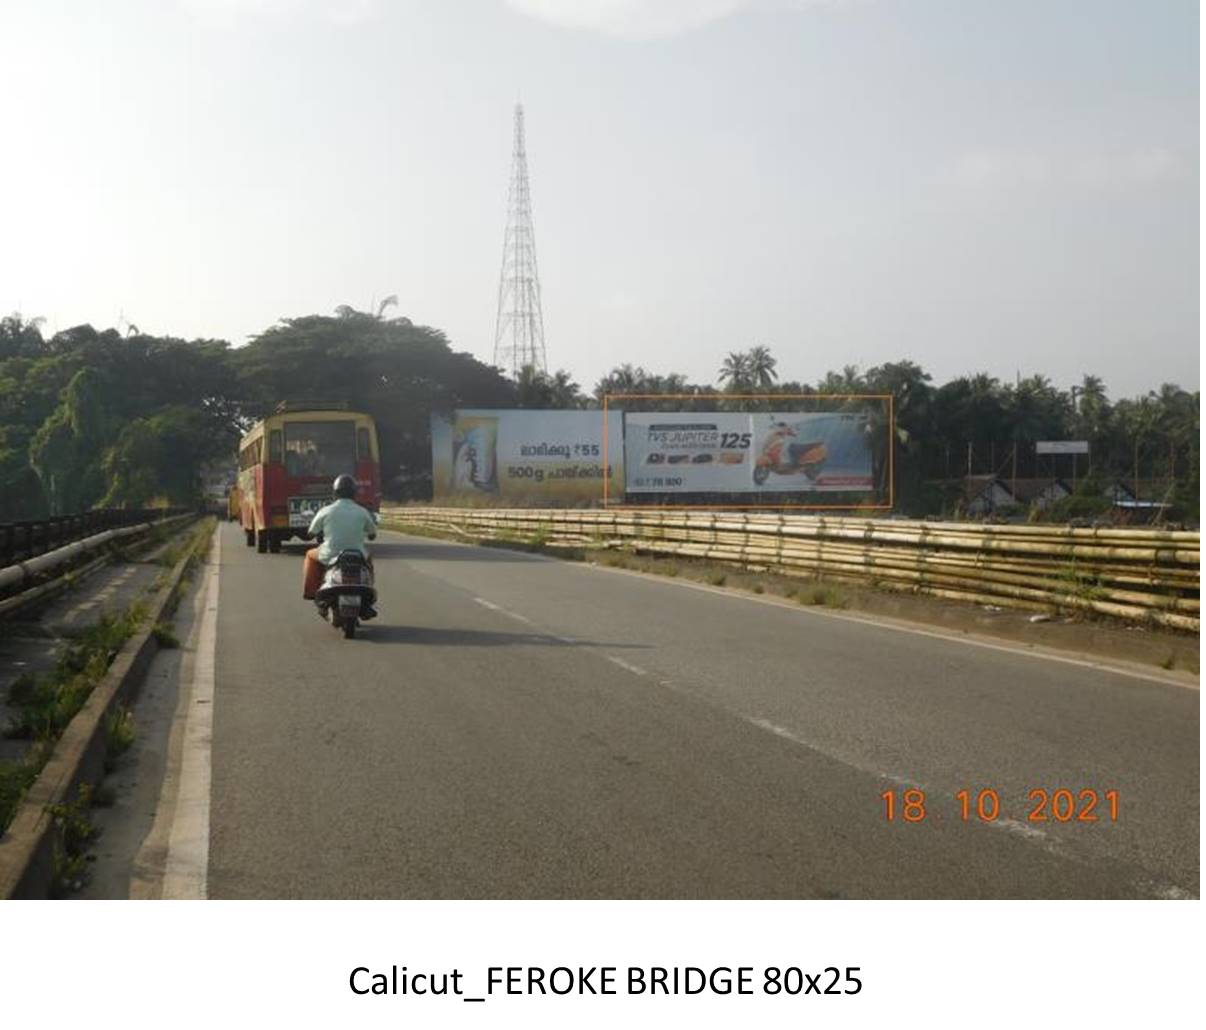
(186,871)
(634,669)
(503,611)
(1168,891)
(1030,834)
(1021,829)
(795,738)
(887,622)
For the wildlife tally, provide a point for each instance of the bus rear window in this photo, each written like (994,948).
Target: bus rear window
(320,448)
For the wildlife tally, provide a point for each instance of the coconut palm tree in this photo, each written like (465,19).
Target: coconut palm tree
(735,372)
(761,367)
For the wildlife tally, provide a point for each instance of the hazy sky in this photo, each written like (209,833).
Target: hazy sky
(999,185)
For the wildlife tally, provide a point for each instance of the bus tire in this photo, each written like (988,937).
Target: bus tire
(249,536)
(261,541)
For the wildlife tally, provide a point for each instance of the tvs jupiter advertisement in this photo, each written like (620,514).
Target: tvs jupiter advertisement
(536,457)
(757,452)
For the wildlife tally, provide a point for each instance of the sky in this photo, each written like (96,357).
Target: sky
(974,185)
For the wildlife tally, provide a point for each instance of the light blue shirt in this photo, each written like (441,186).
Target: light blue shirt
(345,526)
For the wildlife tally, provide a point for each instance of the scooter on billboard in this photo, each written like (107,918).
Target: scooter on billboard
(784,457)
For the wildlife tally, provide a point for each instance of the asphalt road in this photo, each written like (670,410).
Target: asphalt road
(515,726)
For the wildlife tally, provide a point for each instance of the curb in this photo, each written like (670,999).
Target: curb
(27,846)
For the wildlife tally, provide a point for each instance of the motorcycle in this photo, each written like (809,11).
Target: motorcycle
(347,590)
(786,458)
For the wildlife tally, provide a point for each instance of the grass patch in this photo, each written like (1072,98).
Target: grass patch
(15,779)
(718,579)
(1169,662)
(824,595)
(196,545)
(1081,586)
(164,635)
(45,704)
(119,735)
(74,832)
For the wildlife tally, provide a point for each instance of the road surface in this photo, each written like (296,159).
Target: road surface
(514,726)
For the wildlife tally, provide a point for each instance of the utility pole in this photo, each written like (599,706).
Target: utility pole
(519,328)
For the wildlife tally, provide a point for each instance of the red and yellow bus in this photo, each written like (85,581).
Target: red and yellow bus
(288,461)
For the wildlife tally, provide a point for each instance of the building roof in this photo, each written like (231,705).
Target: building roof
(1030,489)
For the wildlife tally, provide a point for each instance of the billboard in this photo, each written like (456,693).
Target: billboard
(534,457)
(1062,447)
(747,452)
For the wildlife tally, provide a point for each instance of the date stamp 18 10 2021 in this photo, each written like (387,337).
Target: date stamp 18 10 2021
(1060,805)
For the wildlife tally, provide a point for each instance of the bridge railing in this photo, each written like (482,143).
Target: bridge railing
(1145,575)
(20,541)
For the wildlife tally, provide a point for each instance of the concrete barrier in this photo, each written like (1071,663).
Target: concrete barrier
(27,846)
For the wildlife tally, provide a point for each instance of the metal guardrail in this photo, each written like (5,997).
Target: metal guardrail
(20,541)
(35,579)
(1144,575)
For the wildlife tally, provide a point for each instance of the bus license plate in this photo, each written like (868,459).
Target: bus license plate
(302,511)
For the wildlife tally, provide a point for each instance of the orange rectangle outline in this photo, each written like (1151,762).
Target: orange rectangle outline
(890,398)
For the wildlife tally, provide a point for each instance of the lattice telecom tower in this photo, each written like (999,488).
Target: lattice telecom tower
(519,330)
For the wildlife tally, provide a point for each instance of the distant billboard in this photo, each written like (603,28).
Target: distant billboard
(1062,447)
(535,457)
(747,452)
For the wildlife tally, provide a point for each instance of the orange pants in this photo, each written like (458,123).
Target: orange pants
(312,572)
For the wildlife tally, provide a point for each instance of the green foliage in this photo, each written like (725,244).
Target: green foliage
(824,594)
(536,389)
(77,413)
(1077,506)
(1083,586)
(74,832)
(93,417)
(44,705)
(164,635)
(159,456)
(15,779)
(396,371)
(119,735)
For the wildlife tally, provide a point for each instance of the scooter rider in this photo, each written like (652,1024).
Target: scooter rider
(345,526)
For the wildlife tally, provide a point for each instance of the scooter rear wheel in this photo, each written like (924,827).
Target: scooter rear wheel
(349,629)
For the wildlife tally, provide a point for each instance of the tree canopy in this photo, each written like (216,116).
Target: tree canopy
(92,417)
